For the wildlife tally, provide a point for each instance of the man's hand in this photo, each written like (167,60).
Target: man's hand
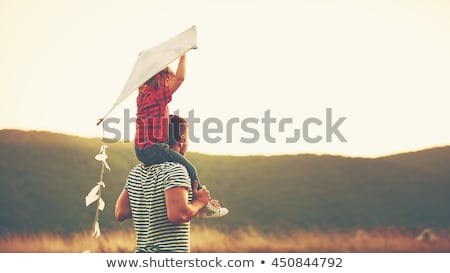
(179,209)
(201,195)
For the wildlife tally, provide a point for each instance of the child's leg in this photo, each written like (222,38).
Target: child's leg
(154,154)
(160,153)
(179,158)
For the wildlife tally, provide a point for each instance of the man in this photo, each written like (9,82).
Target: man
(161,200)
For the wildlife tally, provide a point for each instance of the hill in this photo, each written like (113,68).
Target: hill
(45,176)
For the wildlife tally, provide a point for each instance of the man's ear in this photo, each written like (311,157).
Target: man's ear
(166,82)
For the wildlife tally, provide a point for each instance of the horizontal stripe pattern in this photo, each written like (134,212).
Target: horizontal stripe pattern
(146,187)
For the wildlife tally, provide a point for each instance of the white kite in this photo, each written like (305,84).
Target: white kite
(153,60)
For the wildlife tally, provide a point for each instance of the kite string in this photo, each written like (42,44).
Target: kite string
(102,171)
(96,219)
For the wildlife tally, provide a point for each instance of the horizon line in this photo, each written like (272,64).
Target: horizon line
(349,155)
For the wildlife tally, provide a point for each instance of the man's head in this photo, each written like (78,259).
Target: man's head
(178,134)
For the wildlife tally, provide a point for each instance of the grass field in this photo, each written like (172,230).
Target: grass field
(250,240)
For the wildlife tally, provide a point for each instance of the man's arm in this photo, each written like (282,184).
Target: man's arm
(179,209)
(123,209)
(178,78)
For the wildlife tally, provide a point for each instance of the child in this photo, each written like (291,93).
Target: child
(151,139)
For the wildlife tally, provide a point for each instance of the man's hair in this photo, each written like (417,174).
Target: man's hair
(177,127)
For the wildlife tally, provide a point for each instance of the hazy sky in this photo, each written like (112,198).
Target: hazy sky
(382,65)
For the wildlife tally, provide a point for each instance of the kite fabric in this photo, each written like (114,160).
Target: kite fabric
(153,60)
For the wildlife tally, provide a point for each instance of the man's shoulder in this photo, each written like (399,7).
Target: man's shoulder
(175,175)
(171,168)
(173,165)
(170,174)
(166,167)
(137,170)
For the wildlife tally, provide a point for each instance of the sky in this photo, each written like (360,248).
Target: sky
(353,78)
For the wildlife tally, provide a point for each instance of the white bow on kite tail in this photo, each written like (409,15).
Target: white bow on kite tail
(96,192)
(155,59)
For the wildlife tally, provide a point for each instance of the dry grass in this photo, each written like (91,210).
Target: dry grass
(249,240)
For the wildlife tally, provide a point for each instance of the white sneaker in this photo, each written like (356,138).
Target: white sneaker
(212,212)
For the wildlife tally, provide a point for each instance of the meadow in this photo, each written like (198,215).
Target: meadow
(54,174)
(248,240)
(320,203)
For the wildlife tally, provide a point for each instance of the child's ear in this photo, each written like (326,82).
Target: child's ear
(166,82)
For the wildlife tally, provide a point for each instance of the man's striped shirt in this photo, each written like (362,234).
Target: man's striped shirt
(146,187)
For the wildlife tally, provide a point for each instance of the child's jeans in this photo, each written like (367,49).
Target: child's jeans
(160,152)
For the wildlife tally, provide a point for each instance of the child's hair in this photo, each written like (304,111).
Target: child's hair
(158,80)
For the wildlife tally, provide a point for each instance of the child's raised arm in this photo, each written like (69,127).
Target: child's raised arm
(178,78)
